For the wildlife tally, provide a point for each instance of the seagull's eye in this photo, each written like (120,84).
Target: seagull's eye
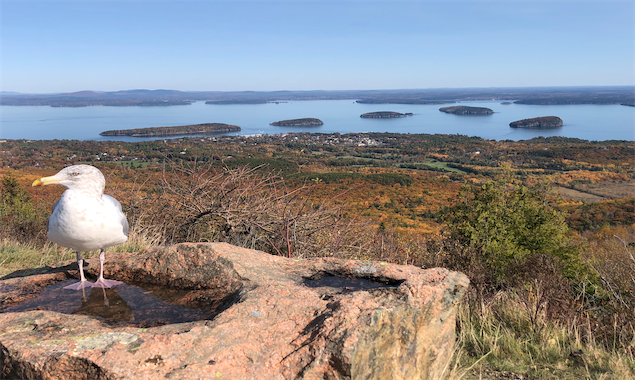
(75,174)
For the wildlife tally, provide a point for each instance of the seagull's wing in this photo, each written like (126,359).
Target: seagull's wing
(48,224)
(116,204)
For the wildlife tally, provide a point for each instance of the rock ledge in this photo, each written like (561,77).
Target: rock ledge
(274,327)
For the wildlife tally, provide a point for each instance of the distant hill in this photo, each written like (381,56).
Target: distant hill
(140,97)
(246,101)
(403,101)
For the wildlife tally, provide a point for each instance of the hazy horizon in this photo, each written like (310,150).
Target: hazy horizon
(55,46)
(320,90)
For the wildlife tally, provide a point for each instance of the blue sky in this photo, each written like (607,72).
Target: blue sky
(65,46)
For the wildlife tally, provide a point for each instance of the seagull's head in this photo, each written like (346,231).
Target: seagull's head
(76,177)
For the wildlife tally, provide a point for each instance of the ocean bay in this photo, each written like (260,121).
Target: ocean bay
(588,121)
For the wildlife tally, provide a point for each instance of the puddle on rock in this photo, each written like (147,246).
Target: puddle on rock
(127,305)
(347,283)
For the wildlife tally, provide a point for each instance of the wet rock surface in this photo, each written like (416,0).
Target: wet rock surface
(264,317)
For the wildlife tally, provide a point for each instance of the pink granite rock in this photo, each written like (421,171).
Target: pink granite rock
(269,318)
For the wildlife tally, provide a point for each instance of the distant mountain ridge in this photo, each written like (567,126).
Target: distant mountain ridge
(161,97)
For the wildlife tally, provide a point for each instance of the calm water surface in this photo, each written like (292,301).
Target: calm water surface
(589,122)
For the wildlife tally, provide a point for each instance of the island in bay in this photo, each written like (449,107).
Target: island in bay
(193,129)
(384,115)
(466,110)
(305,122)
(543,122)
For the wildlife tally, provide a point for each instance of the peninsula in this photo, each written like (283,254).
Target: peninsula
(402,101)
(305,122)
(466,110)
(384,115)
(544,122)
(173,131)
(239,101)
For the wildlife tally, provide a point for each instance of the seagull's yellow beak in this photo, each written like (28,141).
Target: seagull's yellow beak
(45,181)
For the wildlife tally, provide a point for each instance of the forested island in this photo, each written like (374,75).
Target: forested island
(305,122)
(384,115)
(173,131)
(465,110)
(544,122)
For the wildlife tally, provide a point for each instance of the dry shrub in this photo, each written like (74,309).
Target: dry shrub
(390,244)
(611,310)
(247,207)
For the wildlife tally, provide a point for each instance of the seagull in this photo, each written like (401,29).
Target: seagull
(85,219)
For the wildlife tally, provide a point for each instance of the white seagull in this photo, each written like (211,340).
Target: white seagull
(85,219)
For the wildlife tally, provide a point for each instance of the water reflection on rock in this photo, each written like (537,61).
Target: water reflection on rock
(106,304)
(125,304)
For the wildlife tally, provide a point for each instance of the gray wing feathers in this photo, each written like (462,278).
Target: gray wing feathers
(48,224)
(114,202)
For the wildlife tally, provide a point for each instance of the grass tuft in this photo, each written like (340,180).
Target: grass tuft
(15,255)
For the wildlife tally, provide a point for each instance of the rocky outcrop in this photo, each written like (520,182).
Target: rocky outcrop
(306,122)
(466,110)
(384,115)
(544,122)
(273,318)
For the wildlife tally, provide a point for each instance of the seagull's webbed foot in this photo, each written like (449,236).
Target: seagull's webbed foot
(106,284)
(79,285)
(101,281)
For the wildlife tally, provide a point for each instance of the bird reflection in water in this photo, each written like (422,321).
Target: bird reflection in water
(124,305)
(106,304)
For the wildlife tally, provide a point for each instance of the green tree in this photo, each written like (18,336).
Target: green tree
(507,224)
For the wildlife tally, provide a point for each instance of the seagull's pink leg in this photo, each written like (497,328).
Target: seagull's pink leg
(82,283)
(101,282)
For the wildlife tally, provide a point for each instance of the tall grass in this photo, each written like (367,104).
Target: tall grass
(16,255)
(505,334)
(139,238)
